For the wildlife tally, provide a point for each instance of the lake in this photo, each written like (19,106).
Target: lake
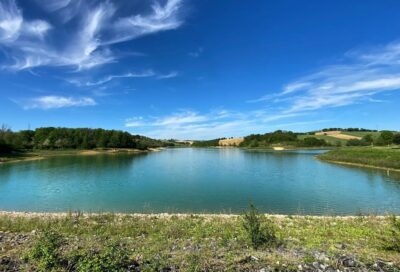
(198,180)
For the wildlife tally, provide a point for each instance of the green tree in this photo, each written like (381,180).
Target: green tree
(396,138)
(386,138)
(368,139)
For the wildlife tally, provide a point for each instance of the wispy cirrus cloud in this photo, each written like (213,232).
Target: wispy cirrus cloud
(363,76)
(147,73)
(169,75)
(189,124)
(56,102)
(97,26)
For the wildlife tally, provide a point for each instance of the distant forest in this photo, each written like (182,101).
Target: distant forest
(289,138)
(282,138)
(269,139)
(73,138)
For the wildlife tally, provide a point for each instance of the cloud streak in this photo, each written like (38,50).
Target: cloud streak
(106,79)
(57,102)
(366,75)
(97,26)
(189,124)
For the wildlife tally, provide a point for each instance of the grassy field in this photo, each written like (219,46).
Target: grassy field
(78,242)
(384,157)
(328,139)
(374,135)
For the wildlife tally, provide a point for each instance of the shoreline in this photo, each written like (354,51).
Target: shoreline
(41,155)
(21,214)
(359,165)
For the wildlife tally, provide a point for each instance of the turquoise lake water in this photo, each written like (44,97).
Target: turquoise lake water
(197,180)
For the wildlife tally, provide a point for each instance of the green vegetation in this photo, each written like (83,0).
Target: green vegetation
(393,241)
(75,138)
(284,138)
(45,253)
(384,157)
(350,130)
(374,134)
(260,230)
(109,242)
(207,143)
(113,257)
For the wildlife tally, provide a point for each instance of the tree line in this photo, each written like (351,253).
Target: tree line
(268,139)
(385,138)
(72,138)
(283,138)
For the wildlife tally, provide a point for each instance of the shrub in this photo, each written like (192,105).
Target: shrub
(386,138)
(45,253)
(113,257)
(396,138)
(393,241)
(260,230)
(357,142)
(313,142)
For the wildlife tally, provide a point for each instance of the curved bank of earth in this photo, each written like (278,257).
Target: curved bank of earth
(385,158)
(168,242)
(44,154)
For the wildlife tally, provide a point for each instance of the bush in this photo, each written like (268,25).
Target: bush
(386,138)
(260,230)
(114,257)
(356,142)
(45,253)
(312,142)
(396,138)
(393,241)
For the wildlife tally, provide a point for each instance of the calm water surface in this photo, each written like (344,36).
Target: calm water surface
(197,180)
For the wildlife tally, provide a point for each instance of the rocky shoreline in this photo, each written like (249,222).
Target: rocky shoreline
(321,260)
(210,242)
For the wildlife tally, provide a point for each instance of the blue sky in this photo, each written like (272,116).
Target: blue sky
(200,69)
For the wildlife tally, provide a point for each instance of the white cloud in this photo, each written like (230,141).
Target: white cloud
(365,76)
(56,102)
(189,124)
(89,44)
(106,79)
(148,73)
(10,21)
(169,75)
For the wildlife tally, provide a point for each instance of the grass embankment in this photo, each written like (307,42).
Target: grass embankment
(378,157)
(191,243)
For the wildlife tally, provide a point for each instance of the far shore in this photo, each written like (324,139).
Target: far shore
(44,154)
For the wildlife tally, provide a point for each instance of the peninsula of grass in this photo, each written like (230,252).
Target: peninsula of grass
(111,242)
(378,157)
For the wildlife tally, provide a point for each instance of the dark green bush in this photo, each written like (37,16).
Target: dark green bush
(113,257)
(260,230)
(393,241)
(46,252)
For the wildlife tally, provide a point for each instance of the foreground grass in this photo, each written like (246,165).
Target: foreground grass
(384,157)
(194,243)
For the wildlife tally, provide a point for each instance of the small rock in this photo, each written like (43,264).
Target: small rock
(347,261)
(340,246)
(254,258)
(315,265)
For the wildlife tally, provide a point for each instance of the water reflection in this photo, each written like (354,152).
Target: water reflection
(198,180)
